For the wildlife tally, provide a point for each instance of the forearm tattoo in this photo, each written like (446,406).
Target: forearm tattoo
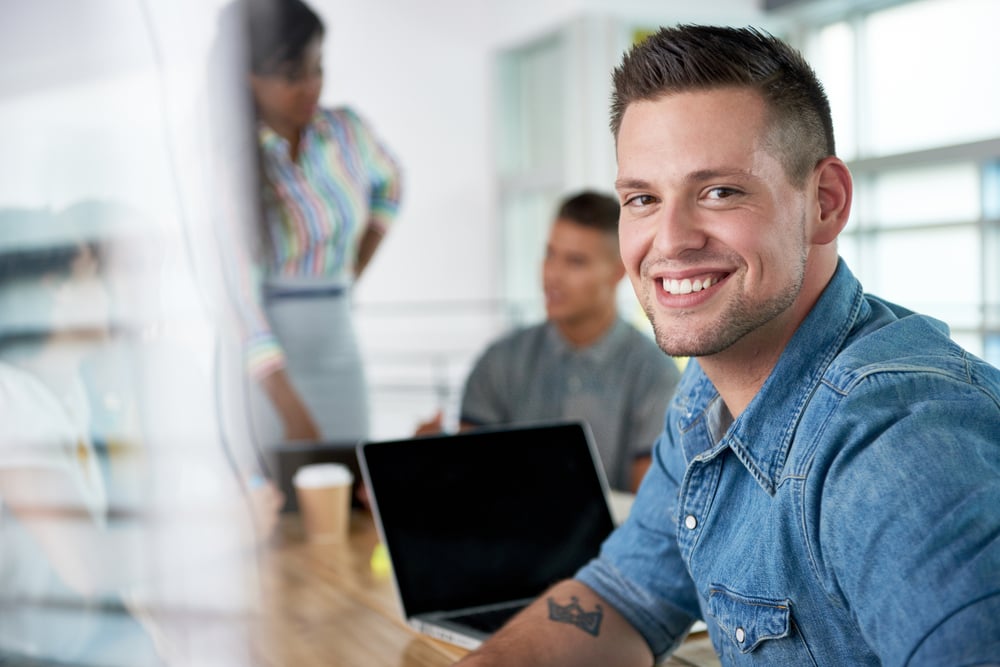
(573,613)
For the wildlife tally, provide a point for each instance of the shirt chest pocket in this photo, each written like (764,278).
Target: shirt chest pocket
(753,629)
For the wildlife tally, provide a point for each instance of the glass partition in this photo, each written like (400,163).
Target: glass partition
(124,522)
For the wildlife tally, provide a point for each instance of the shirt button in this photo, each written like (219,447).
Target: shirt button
(691,522)
(741,635)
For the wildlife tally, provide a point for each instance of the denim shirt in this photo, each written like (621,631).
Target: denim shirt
(849,516)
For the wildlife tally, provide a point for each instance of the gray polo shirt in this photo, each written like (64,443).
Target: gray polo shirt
(621,386)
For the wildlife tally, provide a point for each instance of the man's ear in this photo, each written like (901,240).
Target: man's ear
(615,249)
(834,192)
(619,264)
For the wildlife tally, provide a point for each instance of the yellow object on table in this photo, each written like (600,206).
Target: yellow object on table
(380,563)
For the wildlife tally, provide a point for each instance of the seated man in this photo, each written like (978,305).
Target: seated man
(825,491)
(584,362)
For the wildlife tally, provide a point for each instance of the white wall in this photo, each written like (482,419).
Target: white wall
(422,73)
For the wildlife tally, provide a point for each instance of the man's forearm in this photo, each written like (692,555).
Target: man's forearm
(568,625)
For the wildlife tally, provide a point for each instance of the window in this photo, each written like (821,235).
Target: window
(917,119)
(553,139)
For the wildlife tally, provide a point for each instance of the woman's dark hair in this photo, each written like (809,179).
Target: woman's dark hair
(279,31)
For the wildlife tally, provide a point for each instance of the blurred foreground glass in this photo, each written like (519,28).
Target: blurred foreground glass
(125,535)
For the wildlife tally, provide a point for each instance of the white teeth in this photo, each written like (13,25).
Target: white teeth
(686,286)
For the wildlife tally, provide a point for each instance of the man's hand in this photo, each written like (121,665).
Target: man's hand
(432,426)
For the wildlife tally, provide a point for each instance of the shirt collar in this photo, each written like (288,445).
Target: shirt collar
(597,352)
(271,141)
(762,435)
(274,144)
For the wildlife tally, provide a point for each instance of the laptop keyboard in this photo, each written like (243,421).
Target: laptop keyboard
(489,620)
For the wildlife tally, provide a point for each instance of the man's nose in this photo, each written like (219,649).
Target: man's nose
(678,228)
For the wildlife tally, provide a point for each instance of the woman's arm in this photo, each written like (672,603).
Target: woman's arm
(370,241)
(298,422)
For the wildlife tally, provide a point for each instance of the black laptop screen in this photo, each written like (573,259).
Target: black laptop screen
(487,516)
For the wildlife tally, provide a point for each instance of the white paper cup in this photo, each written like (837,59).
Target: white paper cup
(324,494)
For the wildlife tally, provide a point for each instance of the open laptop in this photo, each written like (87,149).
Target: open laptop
(479,524)
(285,459)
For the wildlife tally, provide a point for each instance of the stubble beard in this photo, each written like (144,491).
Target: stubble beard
(739,317)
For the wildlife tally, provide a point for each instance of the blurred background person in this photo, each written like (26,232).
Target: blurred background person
(65,565)
(584,362)
(330,190)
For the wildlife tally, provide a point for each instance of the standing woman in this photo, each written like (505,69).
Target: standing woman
(330,192)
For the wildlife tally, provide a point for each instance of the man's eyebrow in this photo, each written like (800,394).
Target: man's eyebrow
(709,174)
(693,177)
(631,184)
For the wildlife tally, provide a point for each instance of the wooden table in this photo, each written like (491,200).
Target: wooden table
(323,605)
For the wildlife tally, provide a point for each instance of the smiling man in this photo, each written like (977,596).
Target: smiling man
(825,491)
(584,362)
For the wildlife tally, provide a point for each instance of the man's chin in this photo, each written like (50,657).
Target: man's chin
(676,345)
(562,317)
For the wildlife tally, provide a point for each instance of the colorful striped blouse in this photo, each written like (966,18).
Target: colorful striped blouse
(319,207)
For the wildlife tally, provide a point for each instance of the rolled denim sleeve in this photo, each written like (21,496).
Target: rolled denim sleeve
(640,571)
(967,637)
(909,515)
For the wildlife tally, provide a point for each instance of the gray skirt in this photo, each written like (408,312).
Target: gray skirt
(313,324)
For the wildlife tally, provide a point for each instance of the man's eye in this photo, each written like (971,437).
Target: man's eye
(722,193)
(639,200)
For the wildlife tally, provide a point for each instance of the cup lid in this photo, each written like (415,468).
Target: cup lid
(323,474)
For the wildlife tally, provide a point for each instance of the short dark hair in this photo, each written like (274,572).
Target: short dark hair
(591,209)
(279,31)
(691,58)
